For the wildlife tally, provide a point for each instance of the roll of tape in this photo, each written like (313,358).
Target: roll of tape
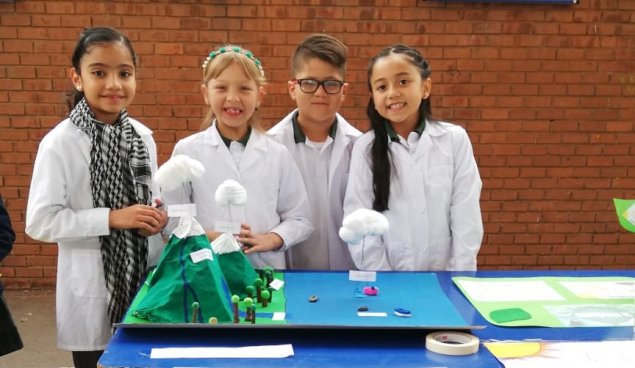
(452,343)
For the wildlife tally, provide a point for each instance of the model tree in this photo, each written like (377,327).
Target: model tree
(265,298)
(235,300)
(248,303)
(258,286)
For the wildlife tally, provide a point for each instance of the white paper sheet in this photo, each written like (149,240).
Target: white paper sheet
(601,289)
(264,351)
(504,291)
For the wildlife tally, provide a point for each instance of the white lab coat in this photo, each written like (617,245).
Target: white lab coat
(60,209)
(433,210)
(313,253)
(276,198)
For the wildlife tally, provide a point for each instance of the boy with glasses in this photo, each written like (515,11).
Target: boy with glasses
(320,140)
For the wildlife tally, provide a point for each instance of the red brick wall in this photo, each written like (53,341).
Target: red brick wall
(545,91)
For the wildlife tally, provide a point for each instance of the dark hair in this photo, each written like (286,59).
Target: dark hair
(88,38)
(321,46)
(380,154)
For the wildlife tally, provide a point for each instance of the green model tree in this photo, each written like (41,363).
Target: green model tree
(235,300)
(265,298)
(258,285)
(248,303)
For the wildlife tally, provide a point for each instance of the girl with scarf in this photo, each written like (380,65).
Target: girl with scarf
(92,193)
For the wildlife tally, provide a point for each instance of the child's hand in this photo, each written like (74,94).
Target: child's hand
(146,219)
(258,242)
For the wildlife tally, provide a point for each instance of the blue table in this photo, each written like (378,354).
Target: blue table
(348,347)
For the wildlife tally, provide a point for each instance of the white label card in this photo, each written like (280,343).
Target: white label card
(276,284)
(182,210)
(372,314)
(278,316)
(201,255)
(369,276)
(227,227)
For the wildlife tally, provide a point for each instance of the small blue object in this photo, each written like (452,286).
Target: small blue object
(402,312)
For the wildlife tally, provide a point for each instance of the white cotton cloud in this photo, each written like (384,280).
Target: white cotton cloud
(178,170)
(225,243)
(230,192)
(361,223)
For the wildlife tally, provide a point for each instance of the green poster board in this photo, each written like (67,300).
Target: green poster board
(552,301)
(625,209)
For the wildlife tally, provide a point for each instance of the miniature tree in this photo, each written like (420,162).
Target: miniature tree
(195,312)
(258,285)
(271,290)
(248,303)
(250,291)
(235,300)
(268,276)
(265,298)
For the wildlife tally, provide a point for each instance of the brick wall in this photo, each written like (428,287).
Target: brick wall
(545,91)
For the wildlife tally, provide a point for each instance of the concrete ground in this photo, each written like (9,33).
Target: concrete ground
(34,314)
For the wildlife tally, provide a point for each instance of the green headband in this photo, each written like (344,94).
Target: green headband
(236,49)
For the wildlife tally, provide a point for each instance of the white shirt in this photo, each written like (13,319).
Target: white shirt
(60,209)
(325,173)
(433,210)
(276,197)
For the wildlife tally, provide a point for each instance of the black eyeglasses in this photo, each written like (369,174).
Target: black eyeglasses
(330,86)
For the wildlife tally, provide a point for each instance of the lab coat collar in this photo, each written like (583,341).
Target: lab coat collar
(298,134)
(141,129)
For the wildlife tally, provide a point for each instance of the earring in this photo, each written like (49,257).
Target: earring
(78,88)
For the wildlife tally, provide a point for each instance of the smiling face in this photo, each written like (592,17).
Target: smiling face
(397,90)
(107,78)
(318,107)
(233,98)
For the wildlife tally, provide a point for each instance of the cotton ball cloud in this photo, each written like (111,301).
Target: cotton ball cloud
(230,192)
(178,170)
(361,223)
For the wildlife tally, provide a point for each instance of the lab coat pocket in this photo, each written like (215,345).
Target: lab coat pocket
(87,273)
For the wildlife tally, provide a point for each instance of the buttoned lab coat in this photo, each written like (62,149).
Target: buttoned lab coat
(60,209)
(433,210)
(276,197)
(335,254)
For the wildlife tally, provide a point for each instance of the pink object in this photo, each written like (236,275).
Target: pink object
(370,290)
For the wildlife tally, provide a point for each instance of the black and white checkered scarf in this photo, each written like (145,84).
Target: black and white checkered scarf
(120,176)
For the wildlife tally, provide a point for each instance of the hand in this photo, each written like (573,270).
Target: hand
(146,219)
(258,242)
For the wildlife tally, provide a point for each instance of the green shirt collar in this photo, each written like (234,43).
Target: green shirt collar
(242,140)
(392,135)
(298,134)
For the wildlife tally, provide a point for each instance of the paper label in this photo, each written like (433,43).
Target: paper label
(278,316)
(201,255)
(369,276)
(182,210)
(372,314)
(276,284)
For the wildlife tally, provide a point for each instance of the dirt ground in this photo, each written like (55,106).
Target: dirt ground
(34,314)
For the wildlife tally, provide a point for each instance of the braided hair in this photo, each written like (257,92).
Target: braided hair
(380,154)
